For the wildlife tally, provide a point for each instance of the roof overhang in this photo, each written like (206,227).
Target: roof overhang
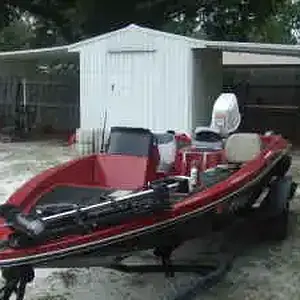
(258,48)
(252,59)
(51,53)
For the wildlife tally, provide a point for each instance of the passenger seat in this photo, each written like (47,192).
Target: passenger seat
(242,147)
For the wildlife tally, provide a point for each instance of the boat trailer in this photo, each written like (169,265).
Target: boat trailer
(209,267)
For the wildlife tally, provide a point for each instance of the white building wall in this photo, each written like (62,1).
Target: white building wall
(175,85)
(92,87)
(161,104)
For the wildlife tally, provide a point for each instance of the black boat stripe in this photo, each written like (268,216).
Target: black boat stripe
(39,258)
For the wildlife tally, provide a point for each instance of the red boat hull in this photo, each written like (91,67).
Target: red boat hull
(197,214)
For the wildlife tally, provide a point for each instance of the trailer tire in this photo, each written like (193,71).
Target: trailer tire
(276,227)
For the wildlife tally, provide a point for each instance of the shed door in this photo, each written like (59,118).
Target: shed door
(130,88)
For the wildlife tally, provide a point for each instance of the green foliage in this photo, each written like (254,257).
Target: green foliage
(16,35)
(281,27)
(65,21)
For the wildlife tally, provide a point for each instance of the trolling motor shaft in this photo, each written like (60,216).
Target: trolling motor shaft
(36,227)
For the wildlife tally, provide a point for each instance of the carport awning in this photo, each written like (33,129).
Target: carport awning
(243,59)
(258,48)
(53,53)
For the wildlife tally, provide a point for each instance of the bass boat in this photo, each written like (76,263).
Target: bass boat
(144,192)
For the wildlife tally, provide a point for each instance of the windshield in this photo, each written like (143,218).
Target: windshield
(130,141)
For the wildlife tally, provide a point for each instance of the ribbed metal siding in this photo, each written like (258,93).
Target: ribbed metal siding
(130,88)
(92,95)
(173,102)
(159,93)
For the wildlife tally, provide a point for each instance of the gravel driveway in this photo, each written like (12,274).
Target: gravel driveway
(266,271)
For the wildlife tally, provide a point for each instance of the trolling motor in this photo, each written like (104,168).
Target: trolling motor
(58,220)
(26,224)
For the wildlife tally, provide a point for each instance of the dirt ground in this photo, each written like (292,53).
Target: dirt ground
(264,271)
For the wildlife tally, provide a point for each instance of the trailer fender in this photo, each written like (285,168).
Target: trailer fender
(281,192)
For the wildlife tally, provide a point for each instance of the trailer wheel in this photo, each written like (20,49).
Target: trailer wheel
(276,227)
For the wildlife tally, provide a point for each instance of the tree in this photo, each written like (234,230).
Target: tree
(67,21)
(283,27)
(17,35)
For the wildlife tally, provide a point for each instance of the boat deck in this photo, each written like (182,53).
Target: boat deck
(89,195)
(78,195)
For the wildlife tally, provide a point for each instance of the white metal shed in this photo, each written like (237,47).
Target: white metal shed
(147,78)
(144,77)
(140,77)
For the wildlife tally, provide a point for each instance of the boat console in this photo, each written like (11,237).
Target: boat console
(130,161)
(162,158)
(207,146)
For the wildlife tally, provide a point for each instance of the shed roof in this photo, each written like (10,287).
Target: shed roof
(260,48)
(271,52)
(197,43)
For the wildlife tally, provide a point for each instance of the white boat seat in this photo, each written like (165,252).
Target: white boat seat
(242,147)
(167,148)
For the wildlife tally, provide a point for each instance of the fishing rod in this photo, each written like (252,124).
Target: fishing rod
(103,132)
